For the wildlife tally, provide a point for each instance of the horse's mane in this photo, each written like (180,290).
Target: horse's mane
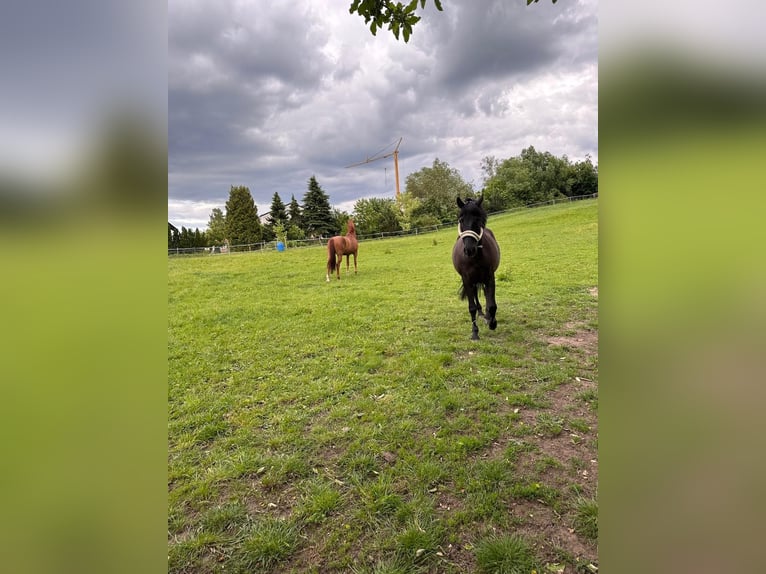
(474,207)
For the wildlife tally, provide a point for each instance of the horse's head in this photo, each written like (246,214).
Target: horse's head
(350,228)
(471,223)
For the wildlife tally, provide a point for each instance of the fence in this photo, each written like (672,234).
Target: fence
(298,243)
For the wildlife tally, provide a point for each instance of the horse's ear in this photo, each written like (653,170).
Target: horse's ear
(460,203)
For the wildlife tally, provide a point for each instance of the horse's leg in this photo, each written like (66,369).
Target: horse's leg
(489,296)
(347,261)
(338,263)
(354,261)
(479,310)
(470,290)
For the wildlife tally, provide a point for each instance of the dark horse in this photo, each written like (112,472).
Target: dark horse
(476,256)
(339,246)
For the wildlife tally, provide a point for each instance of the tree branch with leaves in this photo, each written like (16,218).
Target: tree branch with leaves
(399,17)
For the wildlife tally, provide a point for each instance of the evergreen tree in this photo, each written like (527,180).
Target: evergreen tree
(174,239)
(278,211)
(317,215)
(185,238)
(242,223)
(295,213)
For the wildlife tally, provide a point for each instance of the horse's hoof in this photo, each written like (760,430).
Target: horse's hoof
(474,336)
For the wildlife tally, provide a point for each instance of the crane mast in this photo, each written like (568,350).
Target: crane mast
(395,155)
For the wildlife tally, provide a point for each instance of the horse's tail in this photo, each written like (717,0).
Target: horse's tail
(331,255)
(463,295)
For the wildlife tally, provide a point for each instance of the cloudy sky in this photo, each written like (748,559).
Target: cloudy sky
(267,94)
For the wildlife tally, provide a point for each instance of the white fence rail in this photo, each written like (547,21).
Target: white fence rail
(296,243)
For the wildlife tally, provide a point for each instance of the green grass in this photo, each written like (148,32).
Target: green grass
(268,542)
(354,426)
(506,555)
(586,518)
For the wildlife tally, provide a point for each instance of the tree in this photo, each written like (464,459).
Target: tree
(395,14)
(378,13)
(374,214)
(216,227)
(295,232)
(317,216)
(405,206)
(533,177)
(174,239)
(549,175)
(277,215)
(340,219)
(184,238)
(294,212)
(279,232)
(278,211)
(510,186)
(584,178)
(436,188)
(242,223)
(489,166)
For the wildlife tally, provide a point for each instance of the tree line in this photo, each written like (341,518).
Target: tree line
(241,225)
(530,178)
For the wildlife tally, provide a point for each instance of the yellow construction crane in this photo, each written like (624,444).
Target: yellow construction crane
(394,153)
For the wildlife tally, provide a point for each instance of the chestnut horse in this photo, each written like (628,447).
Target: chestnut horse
(476,257)
(339,246)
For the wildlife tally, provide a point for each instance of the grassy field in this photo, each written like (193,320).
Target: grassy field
(355,427)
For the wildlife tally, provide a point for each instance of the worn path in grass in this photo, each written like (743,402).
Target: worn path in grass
(353,425)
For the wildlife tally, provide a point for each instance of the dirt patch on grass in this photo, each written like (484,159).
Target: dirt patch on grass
(566,461)
(562,458)
(551,533)
(583,340)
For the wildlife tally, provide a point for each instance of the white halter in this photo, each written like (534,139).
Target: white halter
(469,233)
